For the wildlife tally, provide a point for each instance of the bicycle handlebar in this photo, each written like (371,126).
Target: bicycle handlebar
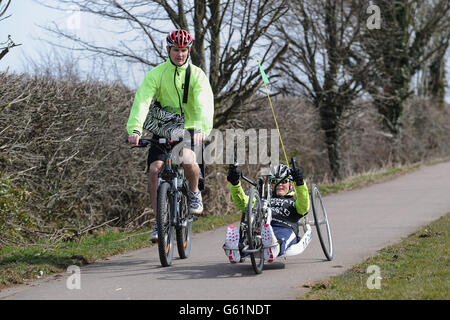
(162,141)
(248,180)
(235,164)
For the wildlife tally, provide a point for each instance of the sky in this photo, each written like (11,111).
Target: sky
(24,27)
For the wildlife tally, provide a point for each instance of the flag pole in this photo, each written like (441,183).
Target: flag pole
(265,81)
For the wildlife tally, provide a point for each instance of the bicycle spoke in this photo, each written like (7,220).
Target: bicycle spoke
(253,230)
(321,222)
(165,228)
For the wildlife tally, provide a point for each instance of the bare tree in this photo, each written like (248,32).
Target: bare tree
(5,46)
(325,62)
(230,34)
(400,48)
(3,7)
(431,80)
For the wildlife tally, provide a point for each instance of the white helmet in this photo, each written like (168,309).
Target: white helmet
(280,172)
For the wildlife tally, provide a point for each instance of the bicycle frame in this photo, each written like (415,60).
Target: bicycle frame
(264,192)
(174,175)
(172,214)
(264,188)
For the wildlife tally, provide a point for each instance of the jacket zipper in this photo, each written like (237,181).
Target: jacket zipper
(175,84)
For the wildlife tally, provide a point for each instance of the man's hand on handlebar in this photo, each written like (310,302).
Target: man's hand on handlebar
(198,138)
(134,139)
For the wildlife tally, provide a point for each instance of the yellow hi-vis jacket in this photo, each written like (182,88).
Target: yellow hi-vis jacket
(165,82)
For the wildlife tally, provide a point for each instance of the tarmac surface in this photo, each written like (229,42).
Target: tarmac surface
(362,222)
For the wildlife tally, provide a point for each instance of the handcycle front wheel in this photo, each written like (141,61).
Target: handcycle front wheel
(165,226)
(321,222)
(254,222)
(184,229)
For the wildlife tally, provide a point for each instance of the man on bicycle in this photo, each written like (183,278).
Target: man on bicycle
(289,203)
(166,82)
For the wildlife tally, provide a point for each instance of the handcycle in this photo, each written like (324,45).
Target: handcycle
(173,219)
(258,213)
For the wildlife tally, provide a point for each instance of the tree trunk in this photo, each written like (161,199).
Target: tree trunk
(330,125)
(436,73)
(198,50)
(214,64)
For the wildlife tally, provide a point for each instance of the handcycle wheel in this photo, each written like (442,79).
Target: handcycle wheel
(165,226)
(321,222)
(184,230)
(254,222)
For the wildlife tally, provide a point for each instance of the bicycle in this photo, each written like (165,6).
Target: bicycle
(258,213)
(172,216)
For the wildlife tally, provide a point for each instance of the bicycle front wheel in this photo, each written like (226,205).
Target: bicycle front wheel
(184,229)
(165,226)
(254,224)
(321,222)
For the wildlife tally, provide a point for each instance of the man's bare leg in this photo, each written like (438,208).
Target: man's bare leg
(192,172)
(155,168)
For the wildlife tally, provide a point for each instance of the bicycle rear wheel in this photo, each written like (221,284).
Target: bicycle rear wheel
(321,222)
(254,222)
(184,229)
(165,226)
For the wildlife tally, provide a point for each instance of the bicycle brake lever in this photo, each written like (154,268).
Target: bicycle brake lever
(142,144)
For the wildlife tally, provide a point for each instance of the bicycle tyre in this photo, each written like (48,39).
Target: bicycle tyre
(184,231)
(165,226)
(254,222)
(321,219)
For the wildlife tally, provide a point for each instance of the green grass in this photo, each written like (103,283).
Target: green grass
(417,268)
(19,264)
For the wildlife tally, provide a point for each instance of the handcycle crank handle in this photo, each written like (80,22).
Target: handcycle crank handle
(233,165)
(294,165)
(241,175)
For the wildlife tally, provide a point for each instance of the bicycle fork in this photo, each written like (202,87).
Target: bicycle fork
(177,220)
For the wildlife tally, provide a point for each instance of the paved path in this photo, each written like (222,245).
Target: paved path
(363,221)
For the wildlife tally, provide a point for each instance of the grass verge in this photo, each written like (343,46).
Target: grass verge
(19,264)
(417,268)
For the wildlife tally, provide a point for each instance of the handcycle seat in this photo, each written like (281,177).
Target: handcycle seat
(301,245)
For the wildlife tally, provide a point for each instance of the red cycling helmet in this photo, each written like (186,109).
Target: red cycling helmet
(180,38)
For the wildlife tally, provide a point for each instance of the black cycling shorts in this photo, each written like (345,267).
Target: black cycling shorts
(155,153)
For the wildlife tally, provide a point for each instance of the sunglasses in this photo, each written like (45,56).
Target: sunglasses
(276,181)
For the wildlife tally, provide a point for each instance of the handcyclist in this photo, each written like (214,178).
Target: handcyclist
(289,203)
(166,83)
